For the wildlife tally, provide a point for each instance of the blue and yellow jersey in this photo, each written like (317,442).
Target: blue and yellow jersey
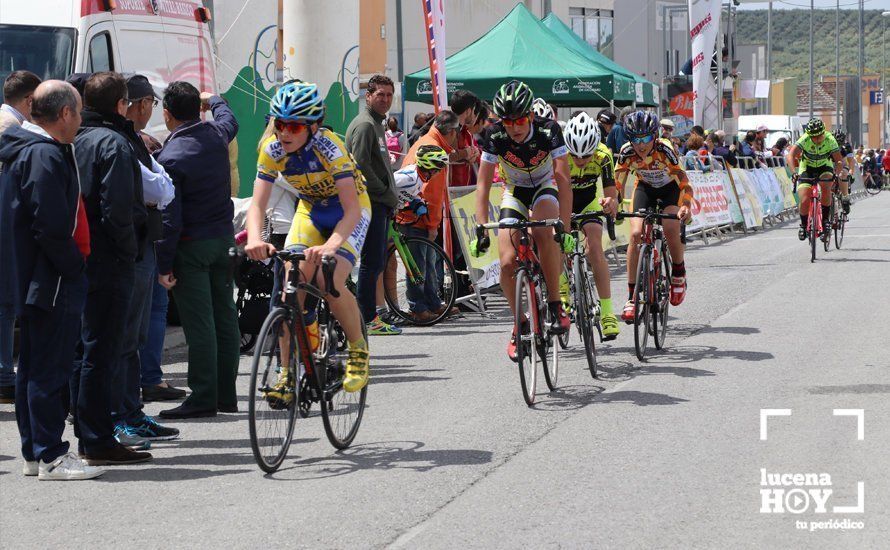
(313,170)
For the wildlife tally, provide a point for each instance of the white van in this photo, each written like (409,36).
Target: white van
(165,40)
(789,127)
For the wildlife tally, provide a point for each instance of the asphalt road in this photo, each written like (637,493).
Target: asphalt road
(662,454)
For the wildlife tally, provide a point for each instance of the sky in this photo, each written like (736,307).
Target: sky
(823,4)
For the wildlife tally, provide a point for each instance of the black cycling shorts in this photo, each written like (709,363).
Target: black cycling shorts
(586,200)
(646,197)
(519,201)
(816,172)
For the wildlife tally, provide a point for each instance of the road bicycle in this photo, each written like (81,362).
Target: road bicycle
(838,218)
(531,320)
(873,185)
(309,377)
(585,303)
(407,273)
(815,229)
(651,296)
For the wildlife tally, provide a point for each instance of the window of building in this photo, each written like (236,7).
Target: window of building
(595,26)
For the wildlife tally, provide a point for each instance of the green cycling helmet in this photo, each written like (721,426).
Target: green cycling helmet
(513,100)
(431,157)
(815,127)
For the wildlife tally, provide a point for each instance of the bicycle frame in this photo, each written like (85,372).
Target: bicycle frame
(408,260)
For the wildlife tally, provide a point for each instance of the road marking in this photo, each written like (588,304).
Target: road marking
(764,416)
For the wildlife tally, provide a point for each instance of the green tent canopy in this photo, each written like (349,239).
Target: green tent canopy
(645,91)
(521,47)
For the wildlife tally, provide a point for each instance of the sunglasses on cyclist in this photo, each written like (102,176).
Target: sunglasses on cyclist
(641,140)
(291,126)
(516,121)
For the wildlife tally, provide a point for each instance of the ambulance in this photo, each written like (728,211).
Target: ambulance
(165,40)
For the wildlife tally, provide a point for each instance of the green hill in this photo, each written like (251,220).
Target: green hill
(791,43)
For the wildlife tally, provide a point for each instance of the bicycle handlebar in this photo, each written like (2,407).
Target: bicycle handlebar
(647,214)
(328,265)
(521,224)
(581,219)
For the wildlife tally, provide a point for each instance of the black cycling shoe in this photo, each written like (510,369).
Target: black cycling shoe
(802,233)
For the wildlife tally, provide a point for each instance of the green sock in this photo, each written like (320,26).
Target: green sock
(358,344)
(606,306)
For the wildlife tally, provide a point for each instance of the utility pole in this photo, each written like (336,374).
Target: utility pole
(859,136)
(812,81)
(769,41)
(837,66)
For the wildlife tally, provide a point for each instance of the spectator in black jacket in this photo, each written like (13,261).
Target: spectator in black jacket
(112,189)
(193,258)
(39,231)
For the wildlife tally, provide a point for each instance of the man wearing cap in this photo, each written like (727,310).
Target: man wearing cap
(158,191)
(667,132)
(762,129)
(722,151)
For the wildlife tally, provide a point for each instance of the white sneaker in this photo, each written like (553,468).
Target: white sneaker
(29,468)
(68,467)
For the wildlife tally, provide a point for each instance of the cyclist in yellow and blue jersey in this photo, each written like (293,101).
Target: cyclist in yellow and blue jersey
(334,211)
(593,190)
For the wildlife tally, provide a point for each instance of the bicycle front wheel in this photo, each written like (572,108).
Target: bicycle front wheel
(341,411)
(526,325)
(583,315)
(274,391)
(872,187)
(814,230)
(419,271)
(662,299)
(642,294)
(829,222)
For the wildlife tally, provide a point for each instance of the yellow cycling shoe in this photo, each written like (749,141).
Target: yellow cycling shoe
(610,327)
(358,369)
(281,395)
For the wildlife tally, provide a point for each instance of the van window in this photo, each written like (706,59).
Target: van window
(100,53)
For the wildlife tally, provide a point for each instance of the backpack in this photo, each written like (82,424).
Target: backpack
(395,148)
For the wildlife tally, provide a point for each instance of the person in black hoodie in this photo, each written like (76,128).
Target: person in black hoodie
(193,258)
(43,248)
(111,183)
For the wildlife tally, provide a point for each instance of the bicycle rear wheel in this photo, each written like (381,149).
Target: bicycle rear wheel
(271,419)
(583,315)
(872,187)
(826,235)
(641,303)
(526,325)
(661,300)
(550,346)
(813,231)
(401,269)
(839,229)
(341,411)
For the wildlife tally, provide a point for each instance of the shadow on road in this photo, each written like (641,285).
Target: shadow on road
(852,388)
(691,329)
(113,475)
(390,455)
(690,354)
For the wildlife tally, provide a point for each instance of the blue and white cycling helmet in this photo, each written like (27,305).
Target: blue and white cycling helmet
(297,101)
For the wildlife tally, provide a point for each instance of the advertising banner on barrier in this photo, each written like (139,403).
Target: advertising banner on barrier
(771,193)
(748,201)
(711,205)
(487,268)
(789,200)
(735,211)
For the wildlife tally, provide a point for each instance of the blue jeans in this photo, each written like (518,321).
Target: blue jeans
(126,402)
(48,339)
(426,297)
(107,305)
(152,351)
(372,258)
(7,329)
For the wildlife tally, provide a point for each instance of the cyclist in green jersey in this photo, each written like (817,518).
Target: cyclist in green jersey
(817,155)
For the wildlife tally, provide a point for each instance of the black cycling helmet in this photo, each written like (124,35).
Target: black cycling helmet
(513,100)
(641,124)
(606,117)
(815,127)
(840,136)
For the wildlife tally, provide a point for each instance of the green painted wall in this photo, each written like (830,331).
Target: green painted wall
(250,103)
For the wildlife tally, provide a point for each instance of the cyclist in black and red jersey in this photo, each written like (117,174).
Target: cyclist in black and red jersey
(531,155)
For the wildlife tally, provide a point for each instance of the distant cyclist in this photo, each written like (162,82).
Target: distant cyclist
(593,189)
(817,155)
(543,109)
(659,178)
(531,154)
(332,217)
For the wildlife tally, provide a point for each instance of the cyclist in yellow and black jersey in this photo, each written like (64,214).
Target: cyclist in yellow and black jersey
(593,189)
(332,218)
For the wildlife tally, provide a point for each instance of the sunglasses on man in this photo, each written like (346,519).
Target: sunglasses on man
(518,121)
(642,140)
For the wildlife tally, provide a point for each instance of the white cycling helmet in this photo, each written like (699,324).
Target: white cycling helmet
(543,109)
(582,135)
